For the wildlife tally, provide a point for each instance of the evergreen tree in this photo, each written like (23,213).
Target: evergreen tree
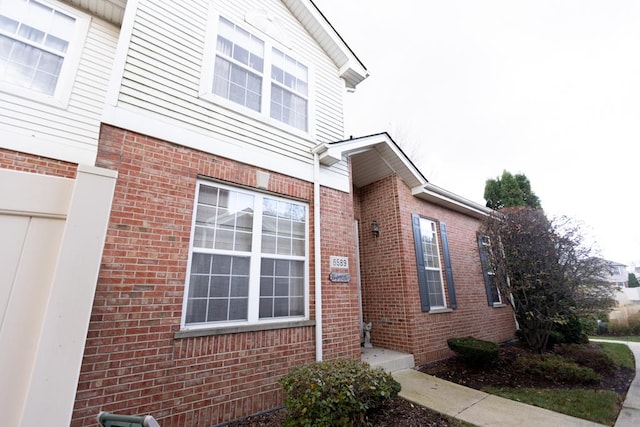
(509,191)
(633,281)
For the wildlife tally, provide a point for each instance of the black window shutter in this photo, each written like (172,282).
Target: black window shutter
(485,270)
(447,264)
(422,279)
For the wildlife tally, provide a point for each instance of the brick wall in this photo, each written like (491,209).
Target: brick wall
(391,297)
(133,363)
(18,161)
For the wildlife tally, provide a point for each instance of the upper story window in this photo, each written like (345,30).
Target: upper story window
(248,71)
(248,259)
(39,48)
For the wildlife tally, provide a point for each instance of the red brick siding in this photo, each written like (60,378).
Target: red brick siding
(18,161)
(132,362)
(391,295)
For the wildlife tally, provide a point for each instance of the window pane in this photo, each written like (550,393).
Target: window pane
(199,286)
(218,310)
(238,66)
(196,311)
(278,291)
(8,25)
(219,286)
(266,308)
(238,309)
(31,34)
(296,307)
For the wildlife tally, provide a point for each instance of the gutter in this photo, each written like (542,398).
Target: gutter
(317,254)
(443,197)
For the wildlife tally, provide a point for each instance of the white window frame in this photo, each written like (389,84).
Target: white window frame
(255,255)
(486,244)
(264,115)
(432,226)
(66,78)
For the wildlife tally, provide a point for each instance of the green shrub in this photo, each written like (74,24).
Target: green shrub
(557,369)
(568,331)
(593,357)
(336,393)
(474,351)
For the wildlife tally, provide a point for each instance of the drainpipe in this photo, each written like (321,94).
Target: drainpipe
(317,254)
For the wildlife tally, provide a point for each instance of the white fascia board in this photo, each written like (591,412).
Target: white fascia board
(445,198)
(122,50)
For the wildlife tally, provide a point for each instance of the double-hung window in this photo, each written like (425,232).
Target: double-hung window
(431,257)
(494,296)
(39,48)
(431,266)
(248,258)
(250,74)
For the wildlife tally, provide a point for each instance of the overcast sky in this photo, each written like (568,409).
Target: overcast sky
(548,88)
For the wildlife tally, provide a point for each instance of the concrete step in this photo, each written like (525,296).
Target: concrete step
(389,360)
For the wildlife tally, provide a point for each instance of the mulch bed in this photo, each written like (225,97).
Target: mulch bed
(400,413)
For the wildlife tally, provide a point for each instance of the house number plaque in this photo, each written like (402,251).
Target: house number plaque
(338,262)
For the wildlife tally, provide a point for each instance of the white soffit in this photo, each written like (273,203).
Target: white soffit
(110,10)
(372,159)
(351,69)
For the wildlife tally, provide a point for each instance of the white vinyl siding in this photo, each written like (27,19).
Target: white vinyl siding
(69,133)
(163,73)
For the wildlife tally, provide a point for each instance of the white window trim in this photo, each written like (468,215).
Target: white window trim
(254,280)
(487,244)
(70,65)
(439,270)
(206,78)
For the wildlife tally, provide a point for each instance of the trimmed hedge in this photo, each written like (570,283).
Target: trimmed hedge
(475,351)
(336,393)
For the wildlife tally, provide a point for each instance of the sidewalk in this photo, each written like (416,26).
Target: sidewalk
(477,407)
(482,409)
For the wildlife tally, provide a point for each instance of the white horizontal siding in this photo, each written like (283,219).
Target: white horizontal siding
(162,79)
(69,133)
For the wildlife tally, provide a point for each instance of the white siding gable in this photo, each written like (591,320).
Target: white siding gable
(159,93)
(68,132)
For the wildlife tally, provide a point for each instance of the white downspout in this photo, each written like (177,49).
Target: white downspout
(317,254)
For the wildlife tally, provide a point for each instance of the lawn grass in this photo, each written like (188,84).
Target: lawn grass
(633,338)
(620,353)
(600,406)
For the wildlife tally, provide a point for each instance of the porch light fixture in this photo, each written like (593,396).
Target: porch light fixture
(375,230)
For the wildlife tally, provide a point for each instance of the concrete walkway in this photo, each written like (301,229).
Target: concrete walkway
(482,409)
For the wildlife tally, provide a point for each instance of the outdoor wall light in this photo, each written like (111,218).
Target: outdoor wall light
(375,230)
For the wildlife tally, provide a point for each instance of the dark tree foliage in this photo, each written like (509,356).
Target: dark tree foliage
(510,190)
(633,281)
(546,270)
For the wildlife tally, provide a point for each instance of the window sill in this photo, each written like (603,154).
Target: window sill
(192,333)
(499,304)
(441,310)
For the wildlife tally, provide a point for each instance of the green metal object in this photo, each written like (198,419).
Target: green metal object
(107,419)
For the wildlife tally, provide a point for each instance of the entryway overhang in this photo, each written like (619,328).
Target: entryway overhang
(373,158)
(377,156)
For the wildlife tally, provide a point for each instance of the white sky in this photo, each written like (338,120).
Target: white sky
(548,88)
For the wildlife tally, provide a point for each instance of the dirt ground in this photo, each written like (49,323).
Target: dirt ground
(400,413)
